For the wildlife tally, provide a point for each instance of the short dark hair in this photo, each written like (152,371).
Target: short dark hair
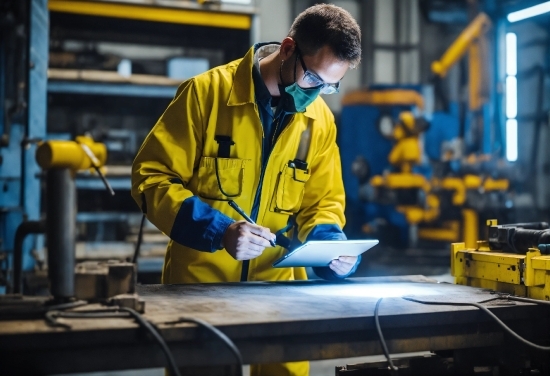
(328,24)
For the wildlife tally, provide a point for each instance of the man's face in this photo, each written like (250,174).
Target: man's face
(323,68)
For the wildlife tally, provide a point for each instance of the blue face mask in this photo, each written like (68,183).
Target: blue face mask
(294,97)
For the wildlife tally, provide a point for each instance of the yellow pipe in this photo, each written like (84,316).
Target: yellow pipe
(459,47)
(69,154)
(153,13)
(384,98)
(457,185)
(470,227)
(449,233)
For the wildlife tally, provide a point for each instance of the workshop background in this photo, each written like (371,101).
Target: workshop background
(442,127)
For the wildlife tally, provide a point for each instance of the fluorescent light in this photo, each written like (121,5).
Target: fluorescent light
(533,11)
(511,54)
(511,97)
(512,140)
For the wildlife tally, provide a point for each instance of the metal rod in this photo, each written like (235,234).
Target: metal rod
(104,180)
(24,229)
(60,230)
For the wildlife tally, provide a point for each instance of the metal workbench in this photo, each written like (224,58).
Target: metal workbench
(270,322)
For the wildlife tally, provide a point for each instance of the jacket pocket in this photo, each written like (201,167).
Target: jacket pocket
(289,193)
(221,178)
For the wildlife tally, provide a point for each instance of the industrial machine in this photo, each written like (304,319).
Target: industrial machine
(69,281)
(62,76)
(442,174)
(515,259)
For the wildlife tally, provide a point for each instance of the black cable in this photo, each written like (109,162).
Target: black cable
(156,335)
(391,366)
(51,317)
(139,240)
(491,314)
(230,344)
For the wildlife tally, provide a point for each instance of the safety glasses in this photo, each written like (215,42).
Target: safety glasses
(314,80)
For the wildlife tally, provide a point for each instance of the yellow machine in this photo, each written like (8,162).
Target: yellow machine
(409,187)
(514,260)
(449,206)
(472,40)
(457,189)
(81,154)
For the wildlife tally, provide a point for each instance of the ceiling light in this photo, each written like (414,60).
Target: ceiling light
(533,11)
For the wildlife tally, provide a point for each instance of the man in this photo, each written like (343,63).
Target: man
(256,132)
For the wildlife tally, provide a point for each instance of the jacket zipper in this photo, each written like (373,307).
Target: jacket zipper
(256,205)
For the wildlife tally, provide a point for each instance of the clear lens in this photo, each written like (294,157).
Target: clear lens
(310,79)
(314,81)
(329,89)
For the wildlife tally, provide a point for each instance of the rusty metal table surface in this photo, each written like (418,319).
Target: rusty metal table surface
(269,322)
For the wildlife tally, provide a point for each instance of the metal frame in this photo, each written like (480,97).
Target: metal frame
(269,322)
(91,88)
(145,12)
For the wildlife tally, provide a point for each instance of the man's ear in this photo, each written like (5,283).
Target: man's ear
(287,48)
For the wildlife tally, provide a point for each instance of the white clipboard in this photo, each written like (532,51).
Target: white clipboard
(322,252)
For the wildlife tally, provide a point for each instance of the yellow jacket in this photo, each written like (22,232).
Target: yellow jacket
(178,162)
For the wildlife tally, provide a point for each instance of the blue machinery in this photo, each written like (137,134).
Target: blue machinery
(23,49)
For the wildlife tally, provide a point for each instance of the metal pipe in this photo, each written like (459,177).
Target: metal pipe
(24,229)
(523,239)
(60,230)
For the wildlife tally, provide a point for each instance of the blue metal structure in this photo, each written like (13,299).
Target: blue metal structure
(359,136)
(92,88)
(19,179)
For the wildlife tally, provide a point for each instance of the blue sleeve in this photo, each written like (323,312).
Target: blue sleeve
(199,226)
(330,232)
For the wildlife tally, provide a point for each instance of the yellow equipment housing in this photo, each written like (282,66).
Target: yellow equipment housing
(526,274)
(71,154)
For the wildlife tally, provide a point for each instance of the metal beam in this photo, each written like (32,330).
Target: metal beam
(153,13)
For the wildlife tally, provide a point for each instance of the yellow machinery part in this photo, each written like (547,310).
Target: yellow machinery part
(377,181)
(449,232)
(153,13)
(396,97)
(406,153)
(519,274)
(431,210)
(407,119)
(470,227)
(457,185)
(405,181)
(503,287)
(472,181)
(413,214)
(70,154)
(459,47)
(491,184)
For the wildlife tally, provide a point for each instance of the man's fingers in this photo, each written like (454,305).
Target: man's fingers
(336,268)
(258,240)
(254,247)
(348,259)
(262,232)
(342,267)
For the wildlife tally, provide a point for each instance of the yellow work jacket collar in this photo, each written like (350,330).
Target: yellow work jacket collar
(242,89)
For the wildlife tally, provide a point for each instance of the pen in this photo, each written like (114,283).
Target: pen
(237,208)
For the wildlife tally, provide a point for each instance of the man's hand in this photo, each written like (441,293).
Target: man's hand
(343,264)
(245,241)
